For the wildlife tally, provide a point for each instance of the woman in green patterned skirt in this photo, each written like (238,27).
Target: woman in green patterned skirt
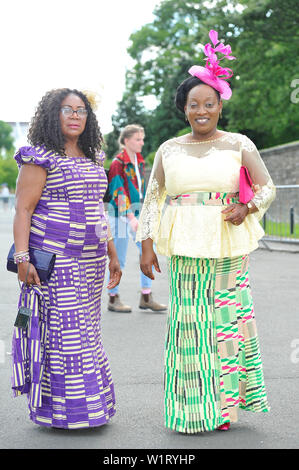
(212,357)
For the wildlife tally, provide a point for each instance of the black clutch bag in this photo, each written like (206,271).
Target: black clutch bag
(43,261)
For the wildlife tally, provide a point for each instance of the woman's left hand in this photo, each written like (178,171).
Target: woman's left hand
(115,272)
(236,213)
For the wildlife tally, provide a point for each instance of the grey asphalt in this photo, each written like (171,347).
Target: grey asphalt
(134,344)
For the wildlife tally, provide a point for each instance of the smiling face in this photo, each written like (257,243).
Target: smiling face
(202,111)
(72,125)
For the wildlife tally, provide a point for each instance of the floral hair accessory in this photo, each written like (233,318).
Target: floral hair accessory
(92,98)
(213,74)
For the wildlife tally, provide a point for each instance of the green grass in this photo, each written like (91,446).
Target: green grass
(280,229)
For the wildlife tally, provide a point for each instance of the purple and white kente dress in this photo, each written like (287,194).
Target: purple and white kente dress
(59,361)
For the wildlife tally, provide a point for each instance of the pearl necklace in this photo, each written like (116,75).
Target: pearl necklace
(201,141)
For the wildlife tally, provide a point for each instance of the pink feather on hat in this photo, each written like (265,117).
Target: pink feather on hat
(213,74)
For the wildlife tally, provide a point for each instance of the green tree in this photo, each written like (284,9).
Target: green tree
(160,47)
(8,166)
(265,45)
(130,110)
(6,139)
(111,146)
(166,119)
(8,170)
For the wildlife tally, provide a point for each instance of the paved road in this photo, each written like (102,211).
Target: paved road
(134,344)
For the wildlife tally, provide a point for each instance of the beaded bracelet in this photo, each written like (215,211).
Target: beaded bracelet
(109,239)
(24,252)
(21,257)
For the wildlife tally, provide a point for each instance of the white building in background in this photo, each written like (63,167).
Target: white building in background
(19,132)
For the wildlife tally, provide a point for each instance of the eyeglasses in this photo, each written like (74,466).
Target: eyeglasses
(67,111)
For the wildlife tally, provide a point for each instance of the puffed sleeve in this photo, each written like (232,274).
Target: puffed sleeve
(36,156)
(155,197)
(265,190)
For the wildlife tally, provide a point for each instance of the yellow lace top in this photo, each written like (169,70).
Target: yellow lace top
(198,230)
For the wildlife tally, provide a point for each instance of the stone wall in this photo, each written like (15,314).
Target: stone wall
(283,163)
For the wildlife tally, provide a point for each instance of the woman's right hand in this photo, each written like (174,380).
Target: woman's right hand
(32,277)
(148,260)
(115,272)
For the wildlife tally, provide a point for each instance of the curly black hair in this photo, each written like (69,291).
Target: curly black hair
(183,90)
(45,126)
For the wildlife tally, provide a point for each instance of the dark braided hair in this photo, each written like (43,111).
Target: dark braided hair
(45,128)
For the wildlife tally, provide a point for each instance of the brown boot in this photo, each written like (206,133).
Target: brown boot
(115,305)
(147,301)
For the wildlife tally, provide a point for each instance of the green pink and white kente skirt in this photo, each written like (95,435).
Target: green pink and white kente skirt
(212,357)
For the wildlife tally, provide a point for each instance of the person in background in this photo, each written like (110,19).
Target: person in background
(127,190)
(59,360)
(213,365)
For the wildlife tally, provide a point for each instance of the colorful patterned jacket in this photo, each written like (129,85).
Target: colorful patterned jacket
(123,185)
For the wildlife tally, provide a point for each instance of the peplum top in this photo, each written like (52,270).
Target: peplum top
(69,218)
(190,184)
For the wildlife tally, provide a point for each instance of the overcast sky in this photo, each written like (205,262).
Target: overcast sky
(66,43)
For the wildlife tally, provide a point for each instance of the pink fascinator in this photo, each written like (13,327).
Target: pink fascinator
(213,74)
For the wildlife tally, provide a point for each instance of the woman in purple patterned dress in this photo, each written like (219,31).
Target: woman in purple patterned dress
(59,361)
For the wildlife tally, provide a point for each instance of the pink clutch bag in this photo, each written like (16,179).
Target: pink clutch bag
(245,186)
